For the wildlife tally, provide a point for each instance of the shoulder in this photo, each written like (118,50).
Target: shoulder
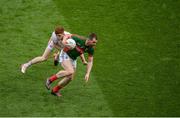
(75,38)
(65,32)
(53,35)
(90,50)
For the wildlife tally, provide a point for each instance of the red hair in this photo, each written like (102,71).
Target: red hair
(59,30)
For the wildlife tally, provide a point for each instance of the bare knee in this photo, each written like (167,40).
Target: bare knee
(70,77)
(43,58)
(70,72)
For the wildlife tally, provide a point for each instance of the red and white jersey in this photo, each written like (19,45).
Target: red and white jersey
(56,41)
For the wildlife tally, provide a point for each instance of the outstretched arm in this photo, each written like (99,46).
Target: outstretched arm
(80,37)
(53,45)
(83,59)
(89,67)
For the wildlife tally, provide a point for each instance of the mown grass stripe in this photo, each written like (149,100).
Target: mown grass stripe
(25,33)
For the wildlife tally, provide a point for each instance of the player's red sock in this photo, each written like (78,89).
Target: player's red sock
(56,89)
(53,78)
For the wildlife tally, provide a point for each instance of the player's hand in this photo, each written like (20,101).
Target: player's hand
(85,62)
(56,55)
(67,36)
(86,78)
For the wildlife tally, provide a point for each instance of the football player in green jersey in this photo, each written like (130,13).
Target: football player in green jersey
(68,58)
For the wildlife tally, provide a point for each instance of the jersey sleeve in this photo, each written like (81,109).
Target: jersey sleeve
(76,39)
(67,36)
(54,38)
(90,51)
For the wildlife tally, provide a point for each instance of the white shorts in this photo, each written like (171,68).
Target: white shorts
(64,56)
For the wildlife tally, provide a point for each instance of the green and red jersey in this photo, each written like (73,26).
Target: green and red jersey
(79,49)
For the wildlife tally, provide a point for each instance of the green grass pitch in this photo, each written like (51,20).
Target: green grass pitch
(136,68)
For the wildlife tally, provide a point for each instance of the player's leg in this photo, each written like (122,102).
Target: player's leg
(38,59)
(42,58)
(68,70)
(65,81)
(69,66)
(71,72)
(62,83)
(66,73)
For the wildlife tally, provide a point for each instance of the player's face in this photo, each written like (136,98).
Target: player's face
(60,36)
(92,42)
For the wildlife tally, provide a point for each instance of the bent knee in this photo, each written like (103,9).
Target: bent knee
(43,58)
(70,77)
(70,72)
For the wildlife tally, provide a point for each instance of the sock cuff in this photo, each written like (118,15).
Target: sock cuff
(53,78)
(56,89)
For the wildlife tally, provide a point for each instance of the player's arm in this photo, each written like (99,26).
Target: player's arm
(89,67)
(80,37)
(83,59)
(49,40)
(52,44)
